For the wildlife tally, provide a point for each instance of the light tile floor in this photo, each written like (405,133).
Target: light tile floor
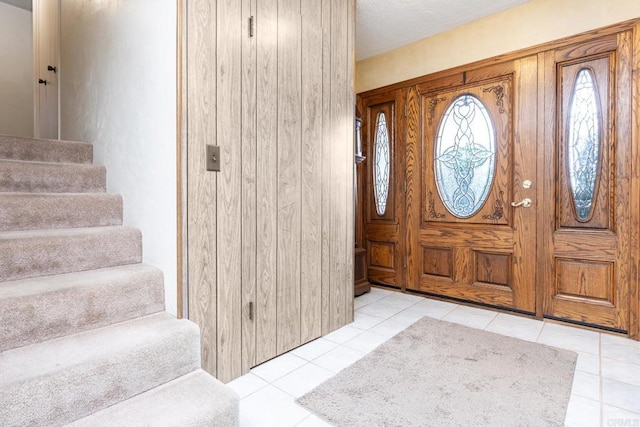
(606,387)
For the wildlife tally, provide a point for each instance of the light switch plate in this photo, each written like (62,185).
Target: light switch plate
(213,158)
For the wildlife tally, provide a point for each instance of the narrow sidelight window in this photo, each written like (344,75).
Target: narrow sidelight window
(583,144)
(381,164)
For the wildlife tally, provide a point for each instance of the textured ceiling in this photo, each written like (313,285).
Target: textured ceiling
(383,25)
(22,4)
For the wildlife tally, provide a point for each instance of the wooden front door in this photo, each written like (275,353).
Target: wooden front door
(477,158)
(515,182)
(384,213)
(585,252)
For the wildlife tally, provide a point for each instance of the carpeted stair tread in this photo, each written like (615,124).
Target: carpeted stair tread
(58,381)
(37,309)
(34,253)
(37,177)
(196,399)
(31,211)
(44,150)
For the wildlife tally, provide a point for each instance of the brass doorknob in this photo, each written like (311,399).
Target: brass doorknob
(525,203)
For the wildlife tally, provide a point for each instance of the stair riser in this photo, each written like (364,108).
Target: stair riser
(76,391)
(21,258)
(38,150)
(39,211)
(31,177)
(36,310)
(196,399)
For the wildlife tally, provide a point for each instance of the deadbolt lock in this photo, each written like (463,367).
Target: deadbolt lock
(526,184)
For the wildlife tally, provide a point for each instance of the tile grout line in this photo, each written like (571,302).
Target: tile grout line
(601,379)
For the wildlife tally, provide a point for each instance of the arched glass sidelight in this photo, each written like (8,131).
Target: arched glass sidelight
(583,143)
(381,163)
(465,156)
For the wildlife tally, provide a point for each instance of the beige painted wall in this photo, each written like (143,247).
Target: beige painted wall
(16,71)
(536,22)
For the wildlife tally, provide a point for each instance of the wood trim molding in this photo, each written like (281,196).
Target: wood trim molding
(511,56)
(634,286)
(181,129)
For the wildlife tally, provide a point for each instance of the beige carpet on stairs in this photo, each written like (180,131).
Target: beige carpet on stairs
(84,336)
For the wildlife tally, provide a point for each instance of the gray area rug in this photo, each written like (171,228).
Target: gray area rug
(437,373)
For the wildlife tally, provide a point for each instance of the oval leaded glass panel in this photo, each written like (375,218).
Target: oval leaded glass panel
(381,164)
(583,143)
(464,160)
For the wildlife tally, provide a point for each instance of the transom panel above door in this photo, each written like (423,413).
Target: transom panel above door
(472,243)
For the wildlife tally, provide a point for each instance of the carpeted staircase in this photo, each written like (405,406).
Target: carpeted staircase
(84,338)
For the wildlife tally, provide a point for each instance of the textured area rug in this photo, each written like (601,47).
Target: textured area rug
(437,373)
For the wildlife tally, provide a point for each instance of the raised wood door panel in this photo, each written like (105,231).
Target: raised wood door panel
(385,188)
(588,148)
(472,244)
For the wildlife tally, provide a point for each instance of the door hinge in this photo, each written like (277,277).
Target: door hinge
(405,186)
(406,112)
(251,28)
(251,311)
(404,262)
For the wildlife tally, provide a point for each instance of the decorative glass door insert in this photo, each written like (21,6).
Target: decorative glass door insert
(464,160)
(471,137)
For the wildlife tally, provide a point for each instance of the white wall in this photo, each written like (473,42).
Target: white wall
(532,23)
(118,84)
(16,71)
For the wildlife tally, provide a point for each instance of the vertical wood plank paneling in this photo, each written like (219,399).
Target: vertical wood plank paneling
(338,220)
(289,182)
(229,225)
(267,138)
(275,225)
(311,155)
(201,200)
(326,165)
(350,161)
(248,188)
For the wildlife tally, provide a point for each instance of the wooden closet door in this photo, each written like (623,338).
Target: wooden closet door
(269,235)
(585,256)
(384,212)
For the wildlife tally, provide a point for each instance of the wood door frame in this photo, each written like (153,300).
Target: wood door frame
(181,155)
(634,196)
(38,68)
(629,25)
